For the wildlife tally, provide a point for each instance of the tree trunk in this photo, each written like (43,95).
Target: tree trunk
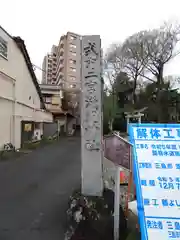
(134,89)
(113,109)
(159,90)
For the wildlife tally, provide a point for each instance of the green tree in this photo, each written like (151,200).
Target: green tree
(169,102)
(144,54)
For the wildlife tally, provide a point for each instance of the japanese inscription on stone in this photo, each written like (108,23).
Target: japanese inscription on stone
(91,95)
(91,116)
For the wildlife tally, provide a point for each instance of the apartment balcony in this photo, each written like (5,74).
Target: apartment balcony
(53,108)
(61,66)
(61,43)
(61,74)
(61,50)
(50,89)
(72,87)
(71,90)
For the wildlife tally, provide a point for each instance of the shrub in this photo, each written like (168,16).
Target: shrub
(92,217)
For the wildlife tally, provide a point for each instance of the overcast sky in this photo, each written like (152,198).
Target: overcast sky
(41,23)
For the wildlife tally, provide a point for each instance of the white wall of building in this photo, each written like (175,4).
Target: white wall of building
(19,99)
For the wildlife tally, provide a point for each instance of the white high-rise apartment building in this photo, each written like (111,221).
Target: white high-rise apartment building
(63,65)
(49,67)
(69,61)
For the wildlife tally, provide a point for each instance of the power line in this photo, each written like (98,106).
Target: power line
(37,67)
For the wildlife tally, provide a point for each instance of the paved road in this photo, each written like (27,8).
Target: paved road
(34,190)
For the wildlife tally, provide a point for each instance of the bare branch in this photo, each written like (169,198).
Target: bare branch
(160,46)
(150,79)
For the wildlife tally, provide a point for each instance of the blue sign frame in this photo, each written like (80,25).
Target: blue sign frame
(140,205)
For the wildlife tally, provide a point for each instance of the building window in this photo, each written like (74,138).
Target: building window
(72,78)
(3,47)
(73,53)
(61,53)
(73,69)
(48,100)
(73,37)
(72,61)
(72,85)
(72,46)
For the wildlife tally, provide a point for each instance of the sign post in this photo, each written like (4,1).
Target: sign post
(91,117)
(116,203)
(118,151)
(157,179)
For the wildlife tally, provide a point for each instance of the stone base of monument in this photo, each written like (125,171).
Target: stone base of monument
(92,217)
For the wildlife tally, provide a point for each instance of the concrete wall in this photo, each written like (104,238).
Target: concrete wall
(19,99)
(6,121)
(15,67)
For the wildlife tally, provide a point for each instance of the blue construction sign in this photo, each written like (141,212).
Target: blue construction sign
(156,167)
